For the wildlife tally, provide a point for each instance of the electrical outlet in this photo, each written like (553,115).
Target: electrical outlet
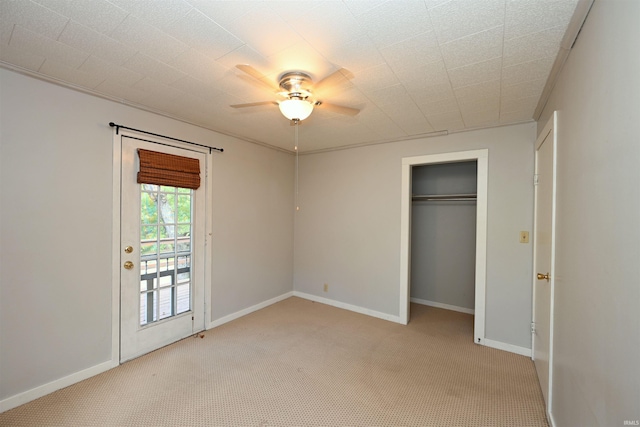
(326,287)
(524,237)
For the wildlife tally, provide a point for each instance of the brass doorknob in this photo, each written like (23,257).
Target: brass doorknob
(128,265)
(128,249)
(543,276)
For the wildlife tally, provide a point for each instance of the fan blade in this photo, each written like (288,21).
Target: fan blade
(340,109)
(253,104)
(338,77)
(258,76)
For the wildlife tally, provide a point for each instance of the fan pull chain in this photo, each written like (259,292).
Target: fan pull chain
(296,150)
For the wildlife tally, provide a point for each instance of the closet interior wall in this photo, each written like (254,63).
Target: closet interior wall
(443,236)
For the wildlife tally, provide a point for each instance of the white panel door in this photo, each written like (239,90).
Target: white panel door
(162,256)
(544,231)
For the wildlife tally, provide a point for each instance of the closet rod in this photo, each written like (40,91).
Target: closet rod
(448,197)
(118,127)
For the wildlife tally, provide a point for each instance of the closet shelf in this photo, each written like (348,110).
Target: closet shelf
(443,197)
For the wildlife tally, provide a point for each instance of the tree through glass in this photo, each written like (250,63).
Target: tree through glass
(165,252)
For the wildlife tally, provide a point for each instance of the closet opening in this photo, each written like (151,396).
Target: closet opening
(443,230)
(443,235)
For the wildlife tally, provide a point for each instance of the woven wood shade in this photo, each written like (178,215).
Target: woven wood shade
(168,169)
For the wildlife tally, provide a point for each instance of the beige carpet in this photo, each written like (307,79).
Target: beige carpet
(299,363)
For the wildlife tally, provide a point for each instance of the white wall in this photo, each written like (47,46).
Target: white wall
(253,227)
(347,232)
(56,227)
(597,321)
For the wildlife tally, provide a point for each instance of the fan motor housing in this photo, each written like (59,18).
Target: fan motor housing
(296,84)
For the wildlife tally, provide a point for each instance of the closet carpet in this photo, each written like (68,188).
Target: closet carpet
(300,363)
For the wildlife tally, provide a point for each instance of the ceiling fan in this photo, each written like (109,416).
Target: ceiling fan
(300,95)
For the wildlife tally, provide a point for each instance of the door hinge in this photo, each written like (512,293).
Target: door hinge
(533,327)
(535,179)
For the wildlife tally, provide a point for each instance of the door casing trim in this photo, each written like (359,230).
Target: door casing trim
(482,158)
(550,129)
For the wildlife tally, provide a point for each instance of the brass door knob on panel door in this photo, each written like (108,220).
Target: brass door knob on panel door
(543,276)
(128,249)
(128,265)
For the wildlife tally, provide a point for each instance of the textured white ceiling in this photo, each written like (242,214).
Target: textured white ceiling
(419,66)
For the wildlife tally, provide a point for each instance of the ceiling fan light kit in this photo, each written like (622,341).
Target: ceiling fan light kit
(295,109)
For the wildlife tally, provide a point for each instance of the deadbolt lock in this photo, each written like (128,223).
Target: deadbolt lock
(128,265)
(128,249)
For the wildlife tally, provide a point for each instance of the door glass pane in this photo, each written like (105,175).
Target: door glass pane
(184,244)
(166,281)
(166,308)
(183,240)
(147,248)
(148,307)
(167,246)
(149,232)
(183,298)
(184,208)
(165,263)
(148,209)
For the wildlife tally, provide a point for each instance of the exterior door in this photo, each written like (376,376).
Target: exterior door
(162,256)
(544,232)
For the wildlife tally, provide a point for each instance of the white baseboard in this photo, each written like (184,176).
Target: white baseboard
(349,307)
(442,305)
(508,347)
(248,310)
(35,393)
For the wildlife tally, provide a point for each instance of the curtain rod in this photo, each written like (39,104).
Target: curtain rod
(118,127)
